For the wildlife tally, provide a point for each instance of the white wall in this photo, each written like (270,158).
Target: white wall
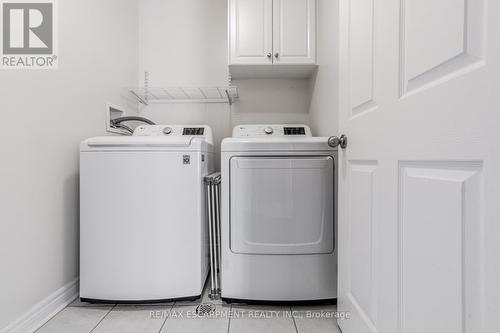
(272,101)
(184,43)
(45,114)
(324,86)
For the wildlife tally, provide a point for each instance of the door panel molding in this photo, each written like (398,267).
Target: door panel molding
(362,241)
(360,286)
(362,61)
(448,44)
(439,246)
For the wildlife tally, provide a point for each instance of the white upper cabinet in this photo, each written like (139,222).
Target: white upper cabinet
(251,31)
(272,32)
(294,31)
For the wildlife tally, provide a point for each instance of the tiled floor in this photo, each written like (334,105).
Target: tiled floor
(181,317)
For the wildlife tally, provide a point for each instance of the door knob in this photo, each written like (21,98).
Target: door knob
(276,55)
(335,141)
(269,55)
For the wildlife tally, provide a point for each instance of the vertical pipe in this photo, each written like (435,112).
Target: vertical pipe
(210,235)
(214,231)
(217,222)
(213,190)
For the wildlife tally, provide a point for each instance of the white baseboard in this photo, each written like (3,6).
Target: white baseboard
(44,310)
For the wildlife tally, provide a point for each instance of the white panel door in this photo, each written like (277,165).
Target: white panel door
(251,32)
(294,23)
(419,231)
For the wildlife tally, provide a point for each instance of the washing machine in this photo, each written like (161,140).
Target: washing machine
(143,222)
(278,220)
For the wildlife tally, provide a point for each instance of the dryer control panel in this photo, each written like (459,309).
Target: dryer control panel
(293,130)
(199,131)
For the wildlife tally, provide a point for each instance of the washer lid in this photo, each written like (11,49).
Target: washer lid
(127,143)
(276,144)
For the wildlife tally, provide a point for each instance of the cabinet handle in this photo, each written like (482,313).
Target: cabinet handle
(276,55)
(269,55)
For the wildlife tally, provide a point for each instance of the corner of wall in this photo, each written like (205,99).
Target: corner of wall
(323,110)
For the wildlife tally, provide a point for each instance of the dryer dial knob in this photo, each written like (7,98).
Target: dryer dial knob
(268,130)
(167,130)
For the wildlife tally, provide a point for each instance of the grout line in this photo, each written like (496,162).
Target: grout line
(293,318)
(168,316)
(100,321)
(230,315)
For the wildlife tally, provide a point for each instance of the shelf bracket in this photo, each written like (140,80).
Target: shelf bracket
(142,101)
(230,100)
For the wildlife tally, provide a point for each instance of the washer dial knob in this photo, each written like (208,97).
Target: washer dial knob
(167,130)
(268,130)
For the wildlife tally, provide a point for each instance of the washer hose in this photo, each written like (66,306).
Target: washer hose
(118,121)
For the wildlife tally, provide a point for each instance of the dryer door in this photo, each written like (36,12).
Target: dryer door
(282,205)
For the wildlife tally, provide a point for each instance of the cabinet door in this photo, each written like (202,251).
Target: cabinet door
(251,24)
(294,25)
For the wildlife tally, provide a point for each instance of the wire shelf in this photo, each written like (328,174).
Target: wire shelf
(148,95)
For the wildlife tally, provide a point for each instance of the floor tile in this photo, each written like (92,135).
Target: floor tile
(183,317)
(316,310)
(186,319)
(190,311)
(316,318)
(133,319)
(196,325)
(305,325)
(75,320)
(255,318)
(252,325)
(241,311)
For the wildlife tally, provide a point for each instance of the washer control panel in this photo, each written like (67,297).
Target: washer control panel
(201,131)
(243,131)
(269,130)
